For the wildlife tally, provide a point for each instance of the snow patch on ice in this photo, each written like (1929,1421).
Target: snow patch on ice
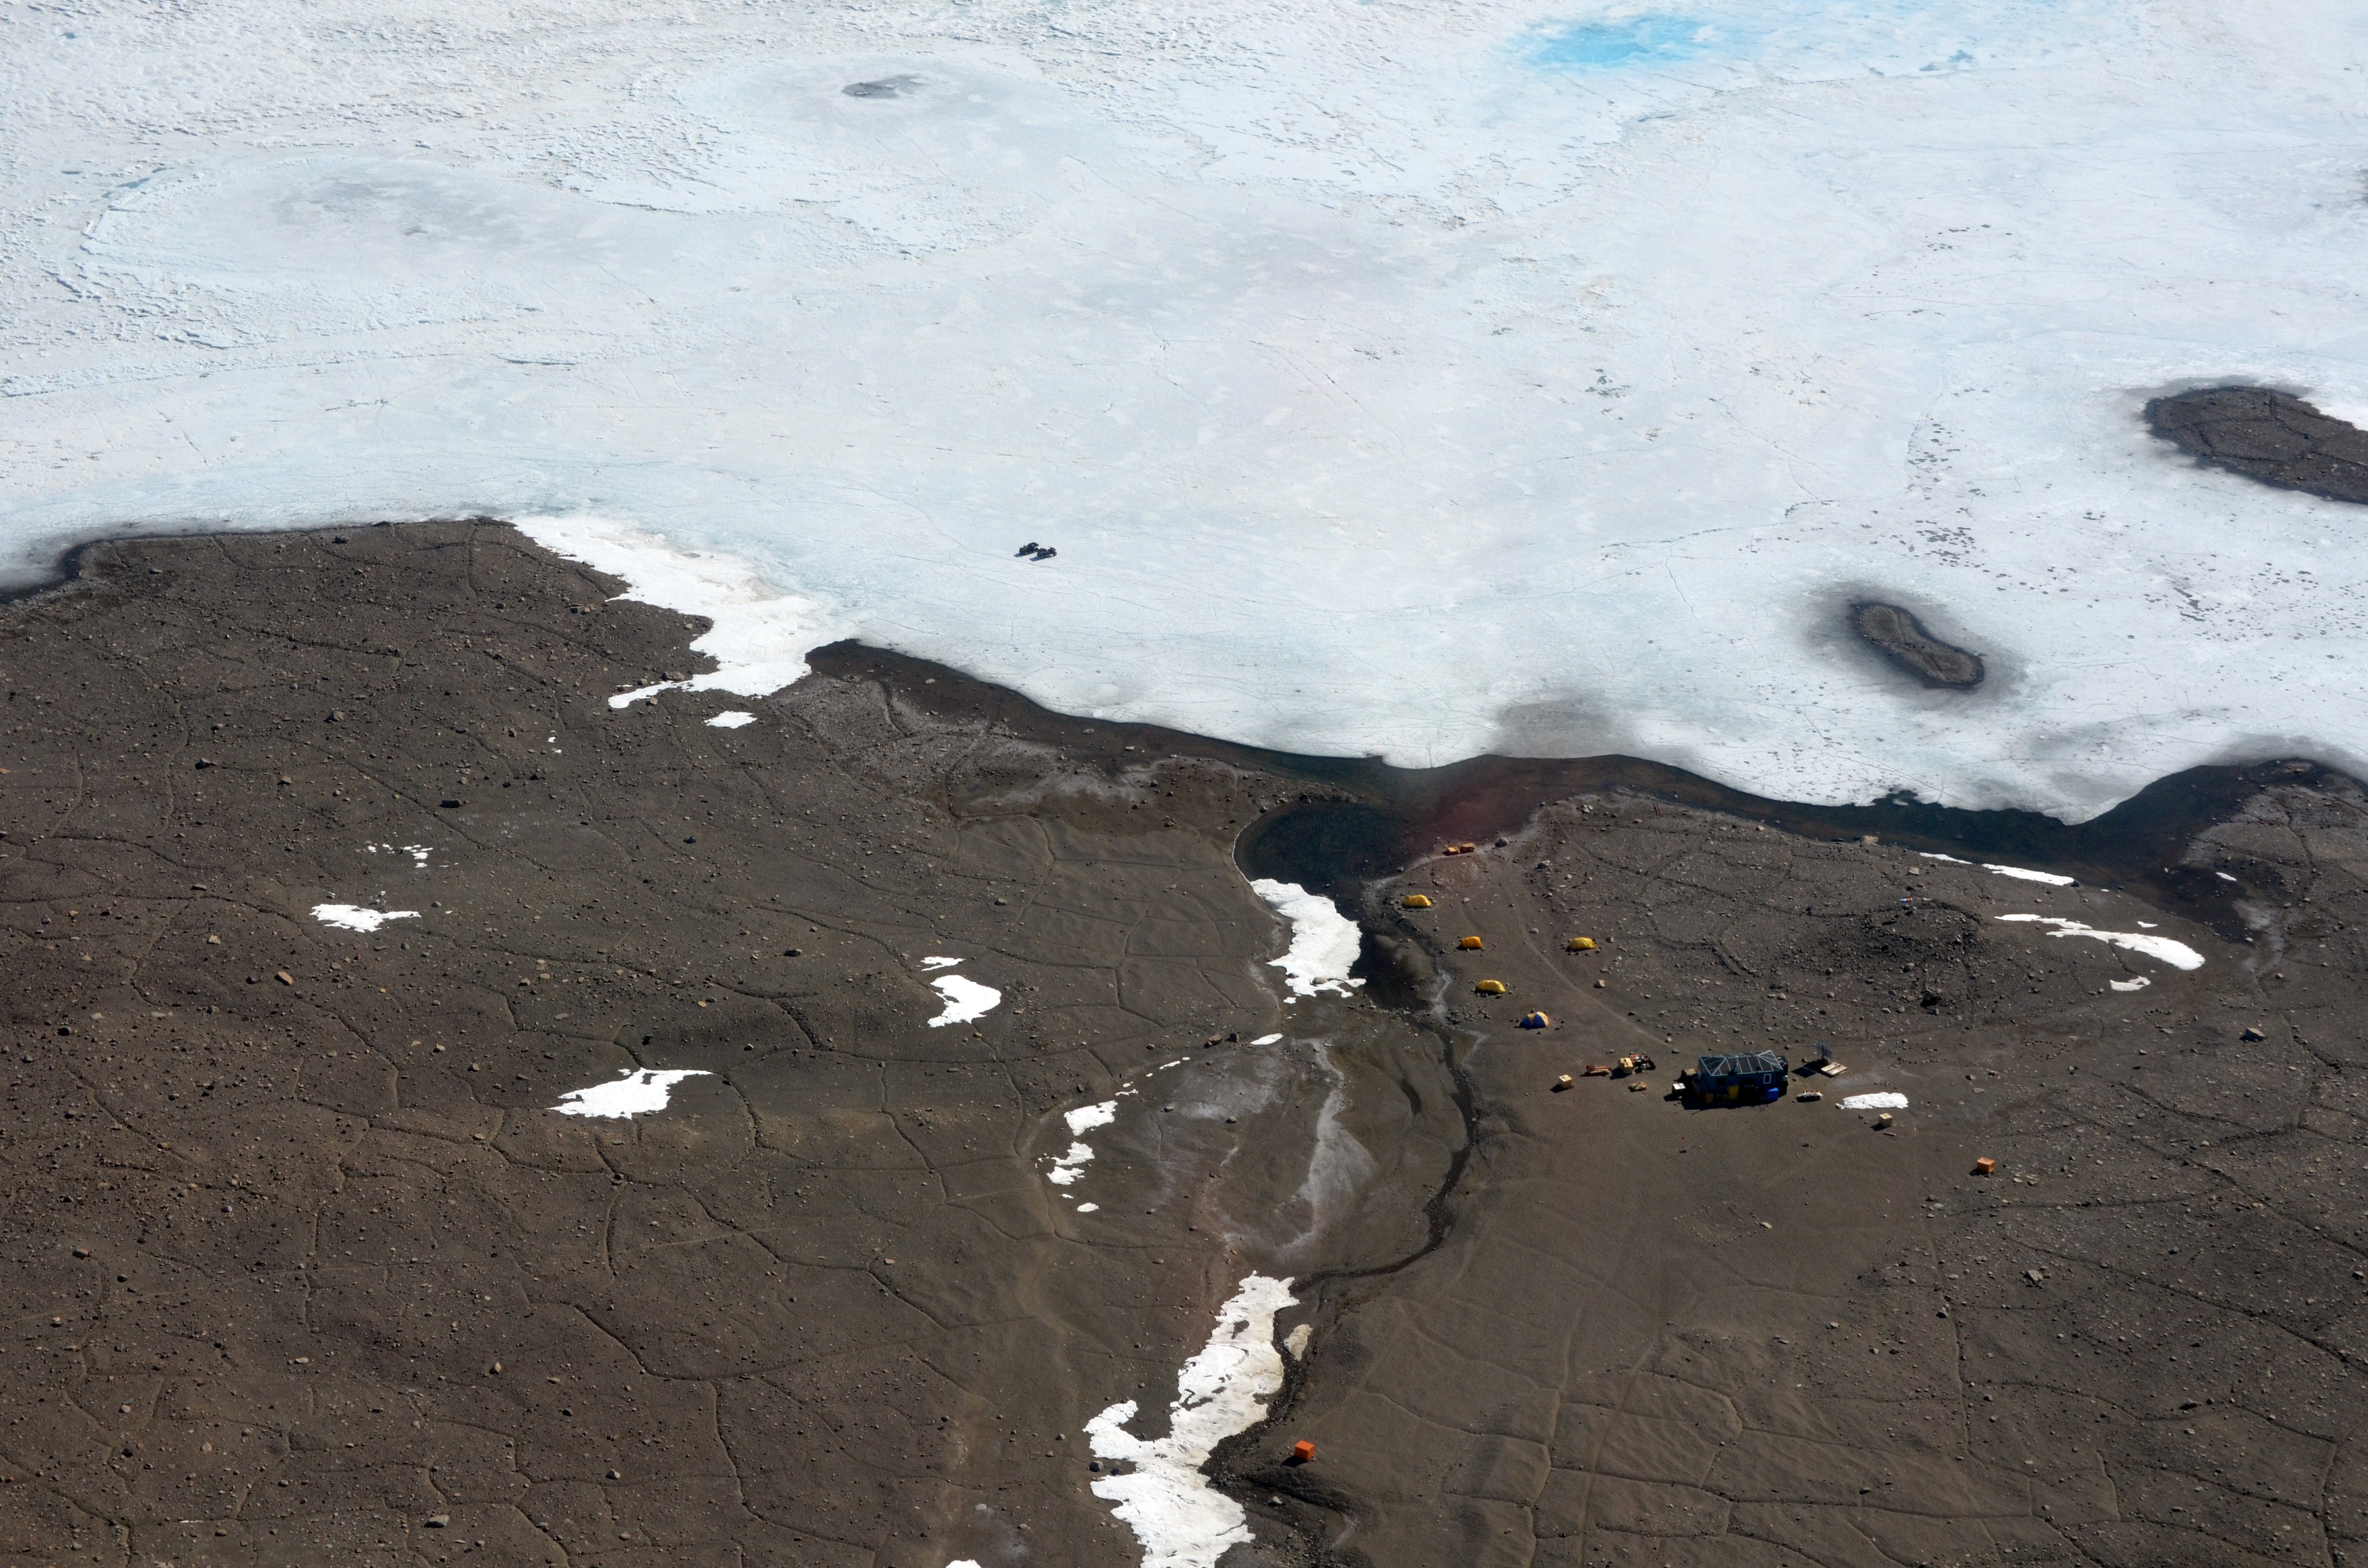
(1323,942)
(965,999)
(2177,954)
(1885,1099)
(731,721)
(353,918)
(1181,1520)
(639,1092)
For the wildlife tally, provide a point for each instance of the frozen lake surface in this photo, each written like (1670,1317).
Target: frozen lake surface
(1536,378)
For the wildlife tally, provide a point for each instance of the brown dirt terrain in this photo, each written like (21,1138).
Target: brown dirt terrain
(301,1268)
(1785,1334)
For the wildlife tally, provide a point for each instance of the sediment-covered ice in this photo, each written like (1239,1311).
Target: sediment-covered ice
(639,1091)
(2177,954)
(354,918)
(1538,376)
(1323,942)
(1177,1517)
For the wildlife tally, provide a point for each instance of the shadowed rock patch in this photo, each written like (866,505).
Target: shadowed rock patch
(1899,637)
(2269,435)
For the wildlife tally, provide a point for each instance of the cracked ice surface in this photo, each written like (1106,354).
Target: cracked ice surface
(1412,380)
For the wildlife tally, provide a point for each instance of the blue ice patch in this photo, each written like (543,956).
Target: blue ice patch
(1591,45)
(1808,39)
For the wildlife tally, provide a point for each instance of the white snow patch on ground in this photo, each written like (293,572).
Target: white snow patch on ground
(1323,942)
(1649,440)
(1084,1119)
(760,636)
(1886,1100)
(1181,1520)
(2140,984)
(2177,954)
(731,721)
(930,963)
(2050,877)
(639,1092)
(1266,1039)
(353,918)
(965,999)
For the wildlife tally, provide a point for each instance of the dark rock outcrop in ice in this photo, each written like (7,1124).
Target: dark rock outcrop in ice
(1899,637)
(2270,436)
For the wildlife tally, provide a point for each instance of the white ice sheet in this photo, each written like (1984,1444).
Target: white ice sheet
(1542,377)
